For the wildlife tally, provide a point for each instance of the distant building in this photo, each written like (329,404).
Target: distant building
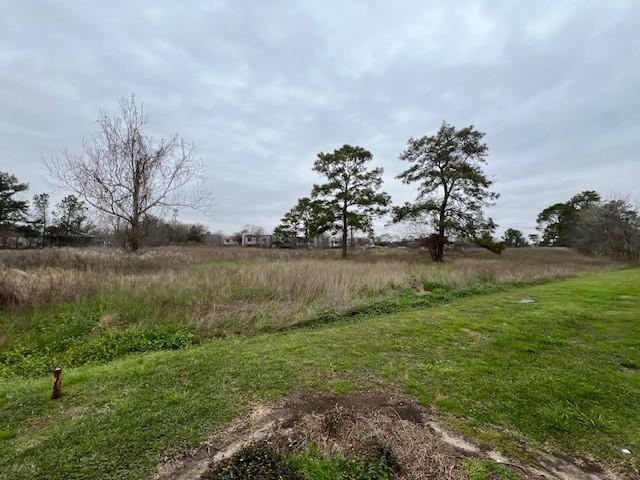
(251,240)
(229,242)
(360,242)
(321,241)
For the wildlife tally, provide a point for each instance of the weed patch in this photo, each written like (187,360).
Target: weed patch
(375,462)
(102,347)
(477,469)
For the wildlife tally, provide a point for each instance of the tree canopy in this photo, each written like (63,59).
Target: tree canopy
(12,210)
(351,194)
(557,222)
(453,189)
(307,219)
(40,221)
(514,238)
(70,215)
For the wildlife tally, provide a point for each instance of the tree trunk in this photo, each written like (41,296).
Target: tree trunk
(134,236)
(439,255)
(439,246)
(345,230)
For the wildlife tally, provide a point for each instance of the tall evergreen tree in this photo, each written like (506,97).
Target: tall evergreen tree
(12,210)
(351,188)
(308,218)
(70,215)
(453,189)
(514,238)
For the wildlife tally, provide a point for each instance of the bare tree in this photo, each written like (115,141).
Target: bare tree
(610,228)
(123,173)
(253,229)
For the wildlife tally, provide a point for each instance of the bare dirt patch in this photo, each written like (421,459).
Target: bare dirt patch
(351,426)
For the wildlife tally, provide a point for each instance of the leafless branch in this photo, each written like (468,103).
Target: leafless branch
(123,173)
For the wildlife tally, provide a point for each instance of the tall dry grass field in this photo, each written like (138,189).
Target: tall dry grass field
(216,286)
(71,306)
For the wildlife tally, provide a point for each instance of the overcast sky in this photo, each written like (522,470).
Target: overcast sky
(262,87)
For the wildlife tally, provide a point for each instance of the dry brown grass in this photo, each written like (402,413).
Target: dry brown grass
(239,290)
(96,259)
(419,451)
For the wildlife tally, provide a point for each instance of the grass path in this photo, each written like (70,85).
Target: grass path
(495,369)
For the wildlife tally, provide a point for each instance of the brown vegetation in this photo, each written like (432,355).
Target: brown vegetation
(401,435)
(227,290)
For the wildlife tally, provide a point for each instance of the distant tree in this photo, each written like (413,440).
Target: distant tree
(253,229)
(197,233)
(557,222)
(488,242)
(360,223)
(384,239)
(286,230)
(609,229)
(29,232)
(40,222)
(12,210)
(127,175)
(236,237)
(351,192)
(308,219)
(452,186)
(534,239)
(514,238)
(484,238)
(70,215)
(158,231)
(555,225)
(216,238)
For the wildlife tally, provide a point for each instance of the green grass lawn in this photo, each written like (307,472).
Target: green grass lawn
(500,371)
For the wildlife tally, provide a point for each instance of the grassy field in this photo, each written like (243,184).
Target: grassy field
(559,373)
(73,307)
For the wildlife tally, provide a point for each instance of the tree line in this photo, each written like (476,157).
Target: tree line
(588,223)
(68,223)
(447,169)
(593,225)
(36,221)
(131,179)
(453,192)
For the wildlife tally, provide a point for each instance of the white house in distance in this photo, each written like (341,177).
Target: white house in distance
(251,240)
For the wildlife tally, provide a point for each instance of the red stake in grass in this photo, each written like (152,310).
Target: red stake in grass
(57,383)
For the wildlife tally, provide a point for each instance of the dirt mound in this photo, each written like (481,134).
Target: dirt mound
(390,436)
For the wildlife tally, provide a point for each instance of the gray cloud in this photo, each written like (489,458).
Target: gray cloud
(261,87)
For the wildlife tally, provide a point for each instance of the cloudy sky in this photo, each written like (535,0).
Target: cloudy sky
(262,87)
